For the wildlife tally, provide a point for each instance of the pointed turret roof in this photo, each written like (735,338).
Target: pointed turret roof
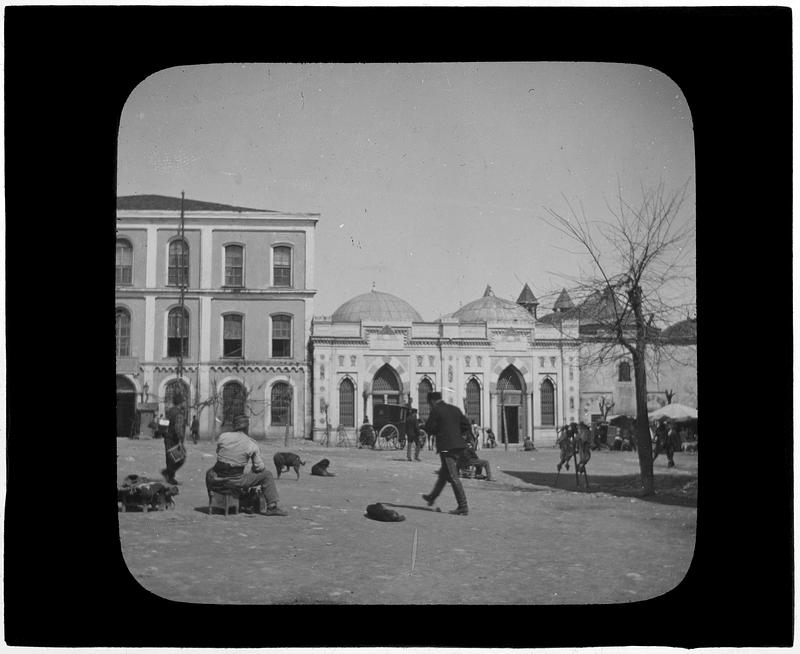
(563,302)
(488,292)
(527,296)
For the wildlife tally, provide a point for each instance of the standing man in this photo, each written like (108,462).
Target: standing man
(235,449)
(195,429)
(173,439)
(447,422)
(412,434)
(663,443)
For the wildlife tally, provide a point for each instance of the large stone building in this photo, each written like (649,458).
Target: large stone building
(607,376)
(491,355)
(245,278)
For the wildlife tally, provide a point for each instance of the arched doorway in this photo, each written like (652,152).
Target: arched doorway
(385,387)
(511,408)
(126,408)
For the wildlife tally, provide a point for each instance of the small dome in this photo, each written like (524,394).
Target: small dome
(491,308)
(376,306)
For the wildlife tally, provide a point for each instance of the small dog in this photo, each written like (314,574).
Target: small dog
(287,460)
(690,446)
(321,469)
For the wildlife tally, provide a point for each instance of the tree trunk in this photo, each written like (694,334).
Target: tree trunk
(644,443)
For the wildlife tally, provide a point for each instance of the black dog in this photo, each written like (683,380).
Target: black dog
(287,460)
(321,469)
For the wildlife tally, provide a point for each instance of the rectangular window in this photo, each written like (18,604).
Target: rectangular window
(232,331)
(281,337)
(234,262)
(282,266)
(124,263)
(177,334)
(178,264)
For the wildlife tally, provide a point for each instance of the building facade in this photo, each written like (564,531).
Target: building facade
(245,280)
(492,358)
(607,376)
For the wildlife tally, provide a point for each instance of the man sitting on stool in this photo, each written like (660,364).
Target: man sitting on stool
(470,458)
(234,450)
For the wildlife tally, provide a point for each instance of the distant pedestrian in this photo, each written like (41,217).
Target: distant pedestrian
(663,444)
(412,435)
(527,444)
(366,435)
(447,422)
(476,435)
(194,430)
(491,440)
(174,448)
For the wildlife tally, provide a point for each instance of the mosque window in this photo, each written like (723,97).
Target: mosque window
(474,401)
(347,403)
(423,409)
(624,371)
(547,394)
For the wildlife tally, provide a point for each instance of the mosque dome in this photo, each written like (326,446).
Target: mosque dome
(490,308)
(376,306)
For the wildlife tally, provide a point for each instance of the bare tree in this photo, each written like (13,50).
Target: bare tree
(637,259)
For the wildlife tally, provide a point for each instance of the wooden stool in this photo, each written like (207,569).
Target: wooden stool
(217,500)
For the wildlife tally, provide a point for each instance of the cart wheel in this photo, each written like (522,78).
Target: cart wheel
(390,436)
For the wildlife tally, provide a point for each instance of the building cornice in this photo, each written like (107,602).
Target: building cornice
(240,293)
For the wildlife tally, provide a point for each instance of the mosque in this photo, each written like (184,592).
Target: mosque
(492,357)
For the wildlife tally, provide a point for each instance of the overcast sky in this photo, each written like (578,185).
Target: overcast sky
(432,179)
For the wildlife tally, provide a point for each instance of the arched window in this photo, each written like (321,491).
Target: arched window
(282,266)
(124,261)
(548,401)
(474,401)
(178,264)
(122,324)
(176,385)
(178,333)
(423,409)
(232,401)
(233,335)
(234,266)
(624,371)
(281,336)
(281,404)
(347,403)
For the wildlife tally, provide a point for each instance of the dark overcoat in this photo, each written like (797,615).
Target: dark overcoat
(447,422)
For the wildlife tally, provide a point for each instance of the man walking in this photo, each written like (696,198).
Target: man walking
(235,449)
(174,450)
(447,423)
(412,435)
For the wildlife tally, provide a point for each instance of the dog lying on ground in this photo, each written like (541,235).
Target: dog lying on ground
(690,446)
(287,460)
(321,469)
(382,514)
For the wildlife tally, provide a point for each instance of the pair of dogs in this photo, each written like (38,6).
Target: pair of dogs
(285,461)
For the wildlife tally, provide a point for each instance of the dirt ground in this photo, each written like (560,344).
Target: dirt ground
(525,540)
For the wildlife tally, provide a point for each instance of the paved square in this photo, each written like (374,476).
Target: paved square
(524,541)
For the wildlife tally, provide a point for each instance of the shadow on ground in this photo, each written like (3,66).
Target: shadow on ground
(676,490)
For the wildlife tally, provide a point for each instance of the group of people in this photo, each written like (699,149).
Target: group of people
(456,443)
(235,451)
